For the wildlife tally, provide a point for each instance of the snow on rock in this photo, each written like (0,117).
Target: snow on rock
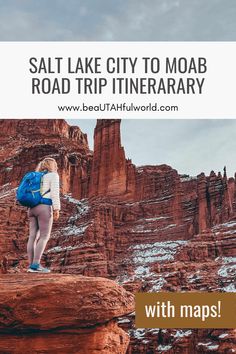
(138,333)
(73,230)
(158,200)
(6,191)
(155,281)
(123,320)
(5,194)
(164,348)
(158,284)
(155,252)
(223,335)
(145,341)
(150,220)
(231,288)
(181,333)
(82,205)
(192,278)
(188,178)
(227,273)
(71,199)
(141,333)
(227,224)
(141,270)
(144,255)
(209,346)
(227,270)
(226,259)
(144,229)
(59,249)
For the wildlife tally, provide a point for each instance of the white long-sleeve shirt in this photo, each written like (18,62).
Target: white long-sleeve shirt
(51,181)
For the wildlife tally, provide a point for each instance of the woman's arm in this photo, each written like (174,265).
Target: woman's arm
(55,193)
(56,214)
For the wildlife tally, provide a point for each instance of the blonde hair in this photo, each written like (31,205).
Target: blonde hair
(48,164)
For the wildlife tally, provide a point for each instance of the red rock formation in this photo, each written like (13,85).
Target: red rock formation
(46,128)
(103,339)
(215,200)
(231,194)
(32,302)
(44,295)
(203,216)
(111,172)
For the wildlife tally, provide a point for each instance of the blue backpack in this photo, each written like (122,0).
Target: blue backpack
(28,193)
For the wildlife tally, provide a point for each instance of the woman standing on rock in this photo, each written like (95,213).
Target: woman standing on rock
(41,216)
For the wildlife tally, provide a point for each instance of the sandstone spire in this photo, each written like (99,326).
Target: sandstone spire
(203,216)
(108,175)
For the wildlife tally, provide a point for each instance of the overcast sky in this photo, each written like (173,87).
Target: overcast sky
(190,146)
(118,20)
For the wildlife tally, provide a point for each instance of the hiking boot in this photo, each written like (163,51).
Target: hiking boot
(37,268)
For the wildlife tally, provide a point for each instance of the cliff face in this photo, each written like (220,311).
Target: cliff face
(25,142)
(215,200)
(147,227)
(47,128)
